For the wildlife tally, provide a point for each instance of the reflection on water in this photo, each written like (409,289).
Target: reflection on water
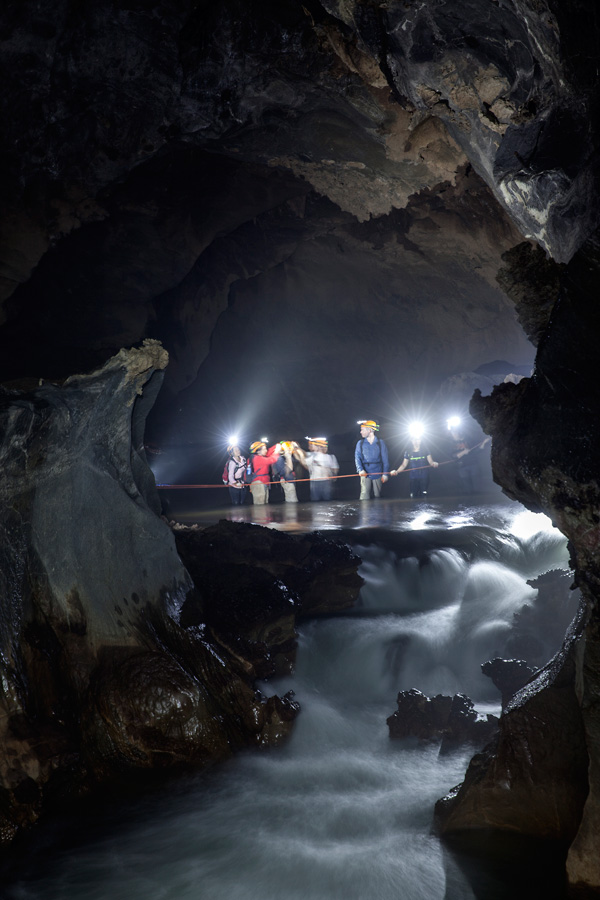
(339,813)
(392,514)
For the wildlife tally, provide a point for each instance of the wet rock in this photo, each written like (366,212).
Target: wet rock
(533,780)
(419,716)
(320,575)
(145,711)
(100,682)
(560,476)
(450,720)
(248,610)
(539,627)
(509,675)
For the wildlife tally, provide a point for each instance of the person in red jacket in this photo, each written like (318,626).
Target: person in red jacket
(262,460)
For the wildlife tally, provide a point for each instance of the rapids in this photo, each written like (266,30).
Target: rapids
(339,811)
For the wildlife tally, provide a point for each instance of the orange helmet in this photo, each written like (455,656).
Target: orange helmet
(319,441)
(369,423)
(256,445)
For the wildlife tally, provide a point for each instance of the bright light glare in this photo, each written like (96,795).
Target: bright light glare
(453,422)
(416,429)
(525,524)
(233,440)
(265,440)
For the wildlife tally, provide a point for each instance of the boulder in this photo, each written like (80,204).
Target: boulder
(100,682)
(320,573)
(509,675)
(450,720)
(533,780)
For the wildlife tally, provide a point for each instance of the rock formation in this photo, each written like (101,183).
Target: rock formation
(452,721)
(508,675)
(114,664)
(556,474)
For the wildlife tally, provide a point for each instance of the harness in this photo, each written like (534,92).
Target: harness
(238,471)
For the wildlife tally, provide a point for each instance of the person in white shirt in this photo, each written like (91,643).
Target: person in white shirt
(322,467)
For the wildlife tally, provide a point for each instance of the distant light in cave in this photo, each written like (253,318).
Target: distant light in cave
(453,422)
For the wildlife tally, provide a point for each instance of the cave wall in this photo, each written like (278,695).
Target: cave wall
(164,166)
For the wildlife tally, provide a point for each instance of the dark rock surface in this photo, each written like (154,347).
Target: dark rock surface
(268,174)
(540,626)
(320,573)
(509,676)
(557,472)
(114,665)
(533,780)
(451,720)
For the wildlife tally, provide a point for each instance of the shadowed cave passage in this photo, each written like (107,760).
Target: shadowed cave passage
(283,311)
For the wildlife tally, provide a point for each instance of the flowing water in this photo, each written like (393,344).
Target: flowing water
(340,811)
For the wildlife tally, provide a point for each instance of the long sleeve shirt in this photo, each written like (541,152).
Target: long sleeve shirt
(372,458)
(262,464)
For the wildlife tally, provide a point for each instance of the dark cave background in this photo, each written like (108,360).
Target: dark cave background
(220,180)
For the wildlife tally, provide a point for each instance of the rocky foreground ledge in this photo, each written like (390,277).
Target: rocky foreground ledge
(118,660)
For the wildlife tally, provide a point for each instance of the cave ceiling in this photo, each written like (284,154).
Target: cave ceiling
(307,203)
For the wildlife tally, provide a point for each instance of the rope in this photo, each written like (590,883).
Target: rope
(174,487)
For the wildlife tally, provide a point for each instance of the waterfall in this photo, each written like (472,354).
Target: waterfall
(340,811)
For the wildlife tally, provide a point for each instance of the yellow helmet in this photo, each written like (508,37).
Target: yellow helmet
(287,446)
(256,445)
(369,423)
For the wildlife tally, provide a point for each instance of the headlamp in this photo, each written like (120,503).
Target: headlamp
(416,429)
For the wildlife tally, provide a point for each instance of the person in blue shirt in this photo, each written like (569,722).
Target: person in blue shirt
(371,458)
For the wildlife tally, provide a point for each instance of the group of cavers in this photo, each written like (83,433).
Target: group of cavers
(268,465)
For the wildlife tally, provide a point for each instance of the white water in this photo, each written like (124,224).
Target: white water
(340,811)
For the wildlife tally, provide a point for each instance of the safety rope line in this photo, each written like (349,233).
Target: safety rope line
(174,487)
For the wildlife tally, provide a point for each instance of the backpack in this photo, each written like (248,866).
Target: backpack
(239,473)
(248,472)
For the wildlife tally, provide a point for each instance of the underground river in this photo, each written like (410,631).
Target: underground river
(340,811)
